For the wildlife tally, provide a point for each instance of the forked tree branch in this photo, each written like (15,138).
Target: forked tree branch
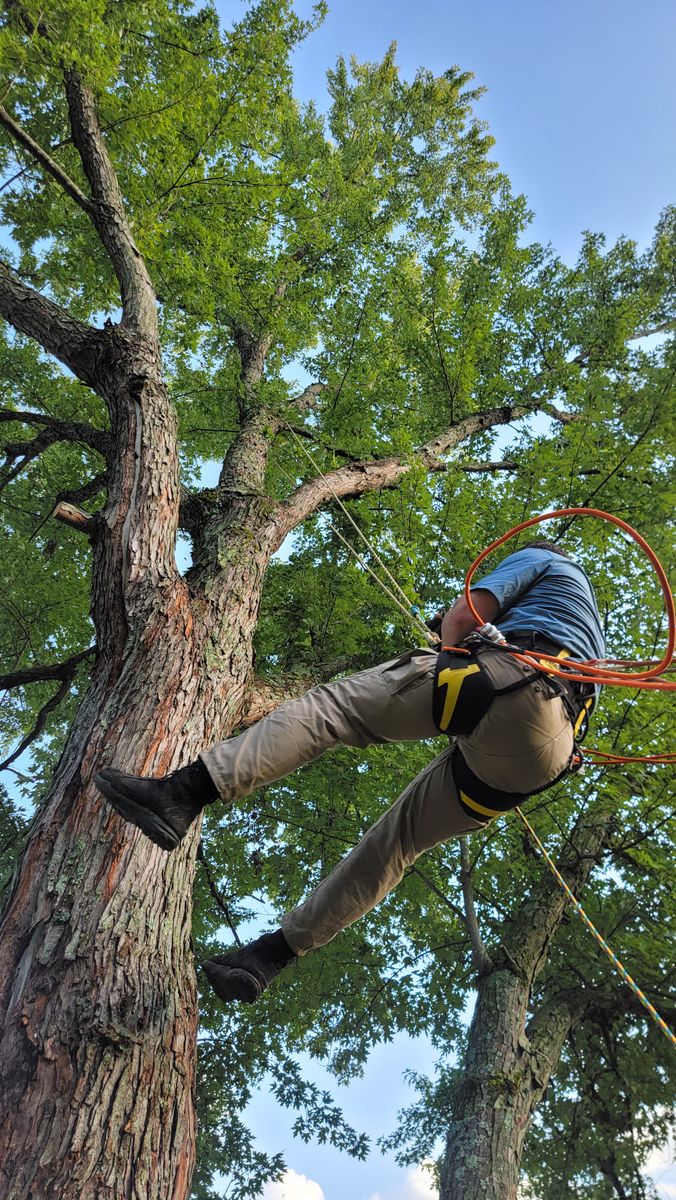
(64,431)
(46,672)
(66,673)
(105,206)
(26,452)
(309,396)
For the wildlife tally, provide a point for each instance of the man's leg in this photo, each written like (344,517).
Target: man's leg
(391,702)
(388,703)
(426,813)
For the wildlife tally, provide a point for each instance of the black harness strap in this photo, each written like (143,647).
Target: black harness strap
(464,690)
(465,686)
(483,802)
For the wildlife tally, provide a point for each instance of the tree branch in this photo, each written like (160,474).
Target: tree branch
(558,414)
(309,396)
(482,960)
(41,156)
(376,474)
(46,672)
(68,671)
(68,431)
(650,330)
(56,431)
(25,452)
(455,908)
(486,468)
(139,307)
(220,902)
(551,1024)
(74,518)
(71,341)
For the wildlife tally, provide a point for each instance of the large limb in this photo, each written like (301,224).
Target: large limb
(355,479)
(71,341)
(105,207)
(139,307)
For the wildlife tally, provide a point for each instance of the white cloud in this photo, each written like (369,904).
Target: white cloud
(661,1168)
(293,1186)
(417,1185)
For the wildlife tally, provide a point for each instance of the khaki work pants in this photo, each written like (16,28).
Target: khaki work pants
(522,743)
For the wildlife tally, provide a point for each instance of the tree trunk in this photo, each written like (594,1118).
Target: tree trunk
(491,1109)
(509,1060)
(97,986)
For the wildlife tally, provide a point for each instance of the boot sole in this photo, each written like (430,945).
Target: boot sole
(147,821)
(231,983)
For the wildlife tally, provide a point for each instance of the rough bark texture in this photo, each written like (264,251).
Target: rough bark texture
(510,1058)
(97,985)
(98,989)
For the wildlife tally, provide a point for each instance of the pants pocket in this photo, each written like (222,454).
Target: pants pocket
(407,672)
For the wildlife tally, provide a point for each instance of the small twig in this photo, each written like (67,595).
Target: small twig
(217,895)
(455,908)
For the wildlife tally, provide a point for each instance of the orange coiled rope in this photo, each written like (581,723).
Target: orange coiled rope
(594,670)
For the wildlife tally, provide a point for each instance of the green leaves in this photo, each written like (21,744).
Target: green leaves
(378,250)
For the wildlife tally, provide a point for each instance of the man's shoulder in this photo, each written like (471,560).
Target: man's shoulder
(546,560)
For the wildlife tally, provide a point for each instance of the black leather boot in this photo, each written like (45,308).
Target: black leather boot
(163,808)
(245,973)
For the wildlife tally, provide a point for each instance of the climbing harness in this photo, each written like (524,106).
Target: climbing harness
(476,798)
(469,677)
(466,682)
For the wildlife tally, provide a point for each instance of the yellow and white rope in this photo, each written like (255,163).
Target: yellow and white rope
(661,1024)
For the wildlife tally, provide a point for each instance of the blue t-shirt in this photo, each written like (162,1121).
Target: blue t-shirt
(542,592)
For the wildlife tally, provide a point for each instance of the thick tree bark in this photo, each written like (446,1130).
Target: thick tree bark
(97,986)
(509,1059)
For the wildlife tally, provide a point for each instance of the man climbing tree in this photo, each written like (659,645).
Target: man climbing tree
(200,270)
(515,736)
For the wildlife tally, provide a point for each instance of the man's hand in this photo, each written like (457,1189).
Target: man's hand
(434,622)
(458,621)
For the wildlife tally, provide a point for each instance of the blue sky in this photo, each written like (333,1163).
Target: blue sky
(581,97)
(581,101)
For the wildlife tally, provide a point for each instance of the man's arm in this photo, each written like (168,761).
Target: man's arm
(458,621)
